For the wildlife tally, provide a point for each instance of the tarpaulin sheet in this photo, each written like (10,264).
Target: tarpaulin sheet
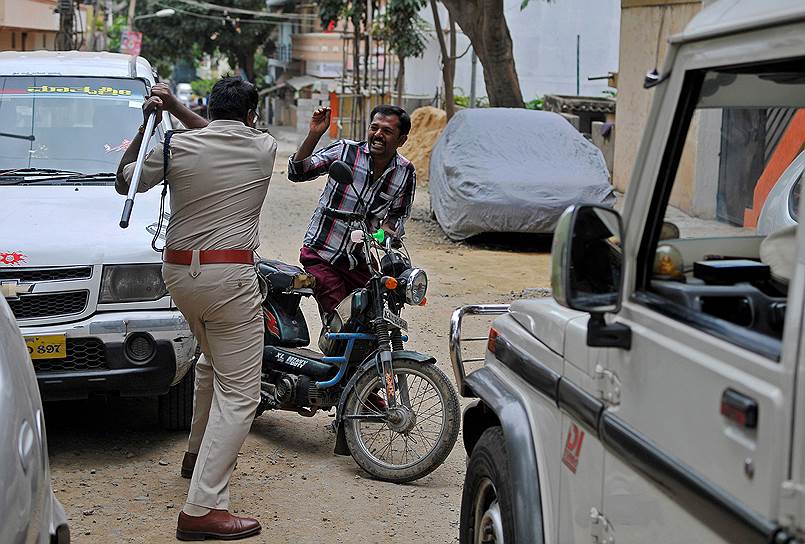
(512,170)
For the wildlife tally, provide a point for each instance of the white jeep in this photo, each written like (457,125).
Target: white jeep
(661,396)
(87,295)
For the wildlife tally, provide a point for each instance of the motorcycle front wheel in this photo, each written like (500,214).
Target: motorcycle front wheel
(421,433)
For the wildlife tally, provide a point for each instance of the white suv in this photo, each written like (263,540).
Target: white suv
(88,295)
(660,396)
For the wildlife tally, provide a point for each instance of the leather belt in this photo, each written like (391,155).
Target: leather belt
(209,256)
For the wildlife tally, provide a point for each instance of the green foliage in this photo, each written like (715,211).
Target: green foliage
(114,33)
(402,28)
(535,104)
(167,39)
(202,87)
(524,3)
(464,101)
(337,10)
(260,69)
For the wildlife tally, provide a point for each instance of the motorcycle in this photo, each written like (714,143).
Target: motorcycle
(397,414)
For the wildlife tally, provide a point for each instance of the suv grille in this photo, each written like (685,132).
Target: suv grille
(49,304)
(82,354)
(46,274)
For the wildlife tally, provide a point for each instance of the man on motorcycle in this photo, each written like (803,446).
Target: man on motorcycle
(385,181)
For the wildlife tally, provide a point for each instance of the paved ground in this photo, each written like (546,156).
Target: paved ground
(117,474)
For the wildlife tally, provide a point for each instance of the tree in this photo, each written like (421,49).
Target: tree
(448,59)
(403,30)
(485,25)
(238,37)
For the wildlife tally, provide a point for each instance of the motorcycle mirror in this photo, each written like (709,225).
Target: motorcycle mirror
(341,173)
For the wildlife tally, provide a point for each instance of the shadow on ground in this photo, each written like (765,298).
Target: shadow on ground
(512,241)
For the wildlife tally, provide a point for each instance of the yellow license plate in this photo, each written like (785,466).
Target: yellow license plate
(47,347)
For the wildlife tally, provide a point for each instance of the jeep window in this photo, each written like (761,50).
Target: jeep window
(76,124)
(718,251)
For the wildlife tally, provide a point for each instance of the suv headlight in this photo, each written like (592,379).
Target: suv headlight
(416,285)
(132,283)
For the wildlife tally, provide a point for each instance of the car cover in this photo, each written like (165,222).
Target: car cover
(512,170)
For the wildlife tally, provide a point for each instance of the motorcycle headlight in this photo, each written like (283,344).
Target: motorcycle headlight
(132,283)
(416,285)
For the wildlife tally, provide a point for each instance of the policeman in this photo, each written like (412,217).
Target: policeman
(218,177)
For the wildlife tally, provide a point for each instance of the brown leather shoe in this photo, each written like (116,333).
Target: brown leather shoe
(188,464)
(216,524)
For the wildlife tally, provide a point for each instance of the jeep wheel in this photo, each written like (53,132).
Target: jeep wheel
(486,504)
(176,406)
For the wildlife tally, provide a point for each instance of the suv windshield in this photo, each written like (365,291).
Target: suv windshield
(76,124)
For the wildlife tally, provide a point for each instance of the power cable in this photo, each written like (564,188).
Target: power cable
(229,9)
(234,20)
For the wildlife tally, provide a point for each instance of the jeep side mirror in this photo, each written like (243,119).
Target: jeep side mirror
(341,173)
(587,269)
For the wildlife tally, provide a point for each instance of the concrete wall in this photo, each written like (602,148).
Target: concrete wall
(640,32)
(322,53)
(12,39)
(29,25)
(28,14)
(544,36)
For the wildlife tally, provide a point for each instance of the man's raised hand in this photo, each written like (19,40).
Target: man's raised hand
(153,104)
(320,121)
(163,92)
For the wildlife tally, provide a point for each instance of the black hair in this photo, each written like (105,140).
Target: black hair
(232,98)
(402,115)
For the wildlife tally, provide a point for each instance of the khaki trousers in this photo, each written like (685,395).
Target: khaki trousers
(221,302)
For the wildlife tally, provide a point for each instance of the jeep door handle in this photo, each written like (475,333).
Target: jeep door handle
(739,408)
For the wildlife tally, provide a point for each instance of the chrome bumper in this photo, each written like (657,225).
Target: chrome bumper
(456,339)
(114,327)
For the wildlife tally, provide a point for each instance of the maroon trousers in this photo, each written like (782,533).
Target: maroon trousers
(333,283)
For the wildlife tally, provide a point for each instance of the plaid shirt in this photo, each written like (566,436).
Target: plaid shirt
(389,198)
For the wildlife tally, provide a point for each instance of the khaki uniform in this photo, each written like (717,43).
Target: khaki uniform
(218,178)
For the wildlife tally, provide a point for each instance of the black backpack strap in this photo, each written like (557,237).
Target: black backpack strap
(166,153)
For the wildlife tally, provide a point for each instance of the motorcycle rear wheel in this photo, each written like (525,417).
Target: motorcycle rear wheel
(428,436)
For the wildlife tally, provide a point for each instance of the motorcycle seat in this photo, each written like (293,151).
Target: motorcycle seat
(282,277)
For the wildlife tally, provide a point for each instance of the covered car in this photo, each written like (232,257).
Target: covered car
(512,170)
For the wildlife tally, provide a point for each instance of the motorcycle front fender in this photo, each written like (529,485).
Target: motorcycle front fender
(371,364)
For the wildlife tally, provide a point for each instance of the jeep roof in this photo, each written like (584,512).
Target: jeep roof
(730,16)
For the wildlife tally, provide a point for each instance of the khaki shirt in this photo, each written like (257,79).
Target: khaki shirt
(218,178)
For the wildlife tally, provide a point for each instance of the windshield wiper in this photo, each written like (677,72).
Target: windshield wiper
(29,137)
(85,177)
(36,172)
(58,178)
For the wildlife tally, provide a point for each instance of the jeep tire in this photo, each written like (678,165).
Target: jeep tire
(176,406)
(486,503)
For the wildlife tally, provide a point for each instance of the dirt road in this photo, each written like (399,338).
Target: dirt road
(117,474)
